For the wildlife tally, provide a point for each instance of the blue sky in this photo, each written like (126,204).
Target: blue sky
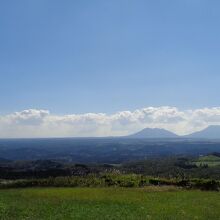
(108,56)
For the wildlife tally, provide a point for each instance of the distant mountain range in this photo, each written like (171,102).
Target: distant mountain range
(211,132)
(148,143)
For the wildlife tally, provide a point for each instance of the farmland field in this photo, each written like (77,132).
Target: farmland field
(151,202)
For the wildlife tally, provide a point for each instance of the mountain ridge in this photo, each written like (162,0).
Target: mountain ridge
(153,133)
(210,132)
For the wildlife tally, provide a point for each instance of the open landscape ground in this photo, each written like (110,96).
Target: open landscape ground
(209,160)
(156,203)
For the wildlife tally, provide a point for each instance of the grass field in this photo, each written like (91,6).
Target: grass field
(209,160)
(108,203)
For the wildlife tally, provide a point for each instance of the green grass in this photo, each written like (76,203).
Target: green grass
(210,160)
(209,163)
(156,203)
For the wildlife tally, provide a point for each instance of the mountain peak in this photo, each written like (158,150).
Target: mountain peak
(211,132)
(153,133)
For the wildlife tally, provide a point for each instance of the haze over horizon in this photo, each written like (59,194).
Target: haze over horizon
(42,123)
(94,68)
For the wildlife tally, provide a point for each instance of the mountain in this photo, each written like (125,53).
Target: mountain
(153,133)
(211,132)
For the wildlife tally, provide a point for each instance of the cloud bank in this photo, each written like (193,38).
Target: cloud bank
(42,123)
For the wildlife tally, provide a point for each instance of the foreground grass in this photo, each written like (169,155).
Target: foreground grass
(156,203)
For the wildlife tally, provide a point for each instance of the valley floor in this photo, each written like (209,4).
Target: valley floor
(156,203)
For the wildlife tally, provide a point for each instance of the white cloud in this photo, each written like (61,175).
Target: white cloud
(41,123)
(28,117)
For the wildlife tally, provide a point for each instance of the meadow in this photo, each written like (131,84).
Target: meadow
(209,160)
(151,202)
